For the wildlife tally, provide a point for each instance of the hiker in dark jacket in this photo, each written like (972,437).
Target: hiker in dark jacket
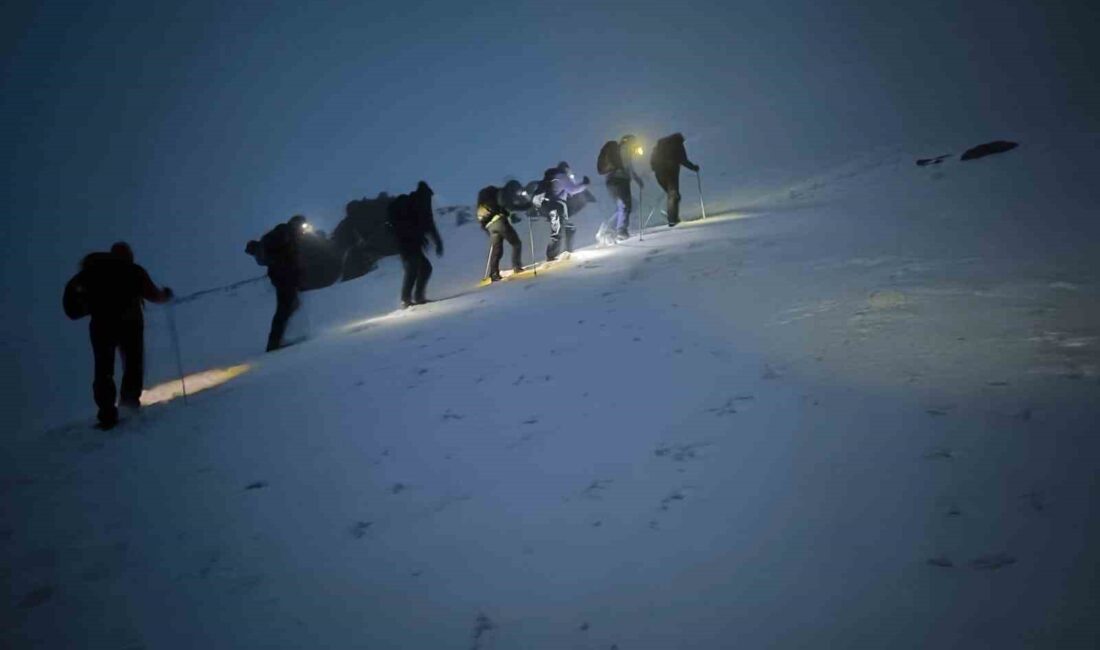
(494,218)
(412,222)
(665,161)
(112,289)
(618,183)
(278,251)
(561,184)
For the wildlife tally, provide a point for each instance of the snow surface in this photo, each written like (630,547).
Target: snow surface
(858,413)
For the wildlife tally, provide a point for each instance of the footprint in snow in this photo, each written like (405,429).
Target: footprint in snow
(673,497)
(482,626)
(1035,501)
(398,488)
(941,561)
(256,486)
(726,409)
(680,453)
(358,530)
(451,415)
(37,597)
(595,488)
(940,454)
(769,373)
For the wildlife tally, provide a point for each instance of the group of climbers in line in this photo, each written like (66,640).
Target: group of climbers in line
(111,288)
(616,164)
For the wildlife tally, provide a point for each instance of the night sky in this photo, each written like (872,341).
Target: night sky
(188,130)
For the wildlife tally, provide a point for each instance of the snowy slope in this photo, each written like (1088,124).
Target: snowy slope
(859,413)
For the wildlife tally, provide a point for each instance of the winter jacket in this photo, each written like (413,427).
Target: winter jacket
(410,218)
(626,171)
(489,209)
(563,184)
(670,154)
(115,288)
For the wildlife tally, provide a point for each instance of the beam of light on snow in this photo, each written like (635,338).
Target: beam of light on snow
(195,383)
(412,315)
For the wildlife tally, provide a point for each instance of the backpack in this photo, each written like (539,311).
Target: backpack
(546,185)
(664,153)
(276,245)
(75,300)
(609,159)
(401,219)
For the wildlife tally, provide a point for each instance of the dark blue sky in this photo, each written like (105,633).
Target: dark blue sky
(188,130)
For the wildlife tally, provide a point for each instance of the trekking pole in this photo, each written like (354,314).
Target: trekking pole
(702,208)
(487,261)
(641,207)
(174,335)
(531,237)
(648,216)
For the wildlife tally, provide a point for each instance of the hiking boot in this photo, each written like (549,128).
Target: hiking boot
(622,235)
(107,418)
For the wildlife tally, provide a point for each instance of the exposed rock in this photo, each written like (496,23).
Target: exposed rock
(988,149)
(923,162)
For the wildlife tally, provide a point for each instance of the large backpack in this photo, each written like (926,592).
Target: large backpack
(610,159)
(664,153)
(75,301)
(401,218)
(277,245)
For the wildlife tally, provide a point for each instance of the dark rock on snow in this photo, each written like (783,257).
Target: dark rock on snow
(988,149)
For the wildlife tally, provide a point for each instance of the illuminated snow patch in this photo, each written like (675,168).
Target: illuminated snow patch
(195,383)
(412,314)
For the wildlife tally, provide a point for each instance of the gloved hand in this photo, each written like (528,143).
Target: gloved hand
(696,169)
(168,293)
(586,181)
(439,249)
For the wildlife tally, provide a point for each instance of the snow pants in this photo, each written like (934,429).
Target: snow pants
(286,303)
(501,231)
(418,270)
(561,226)
(619,188)
(127,337)
(670,183)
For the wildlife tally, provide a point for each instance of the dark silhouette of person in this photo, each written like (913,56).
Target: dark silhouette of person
(665,161)
(495,219)
(280,253)
(112,289)
(412,222)
(618,182)
(561,185)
